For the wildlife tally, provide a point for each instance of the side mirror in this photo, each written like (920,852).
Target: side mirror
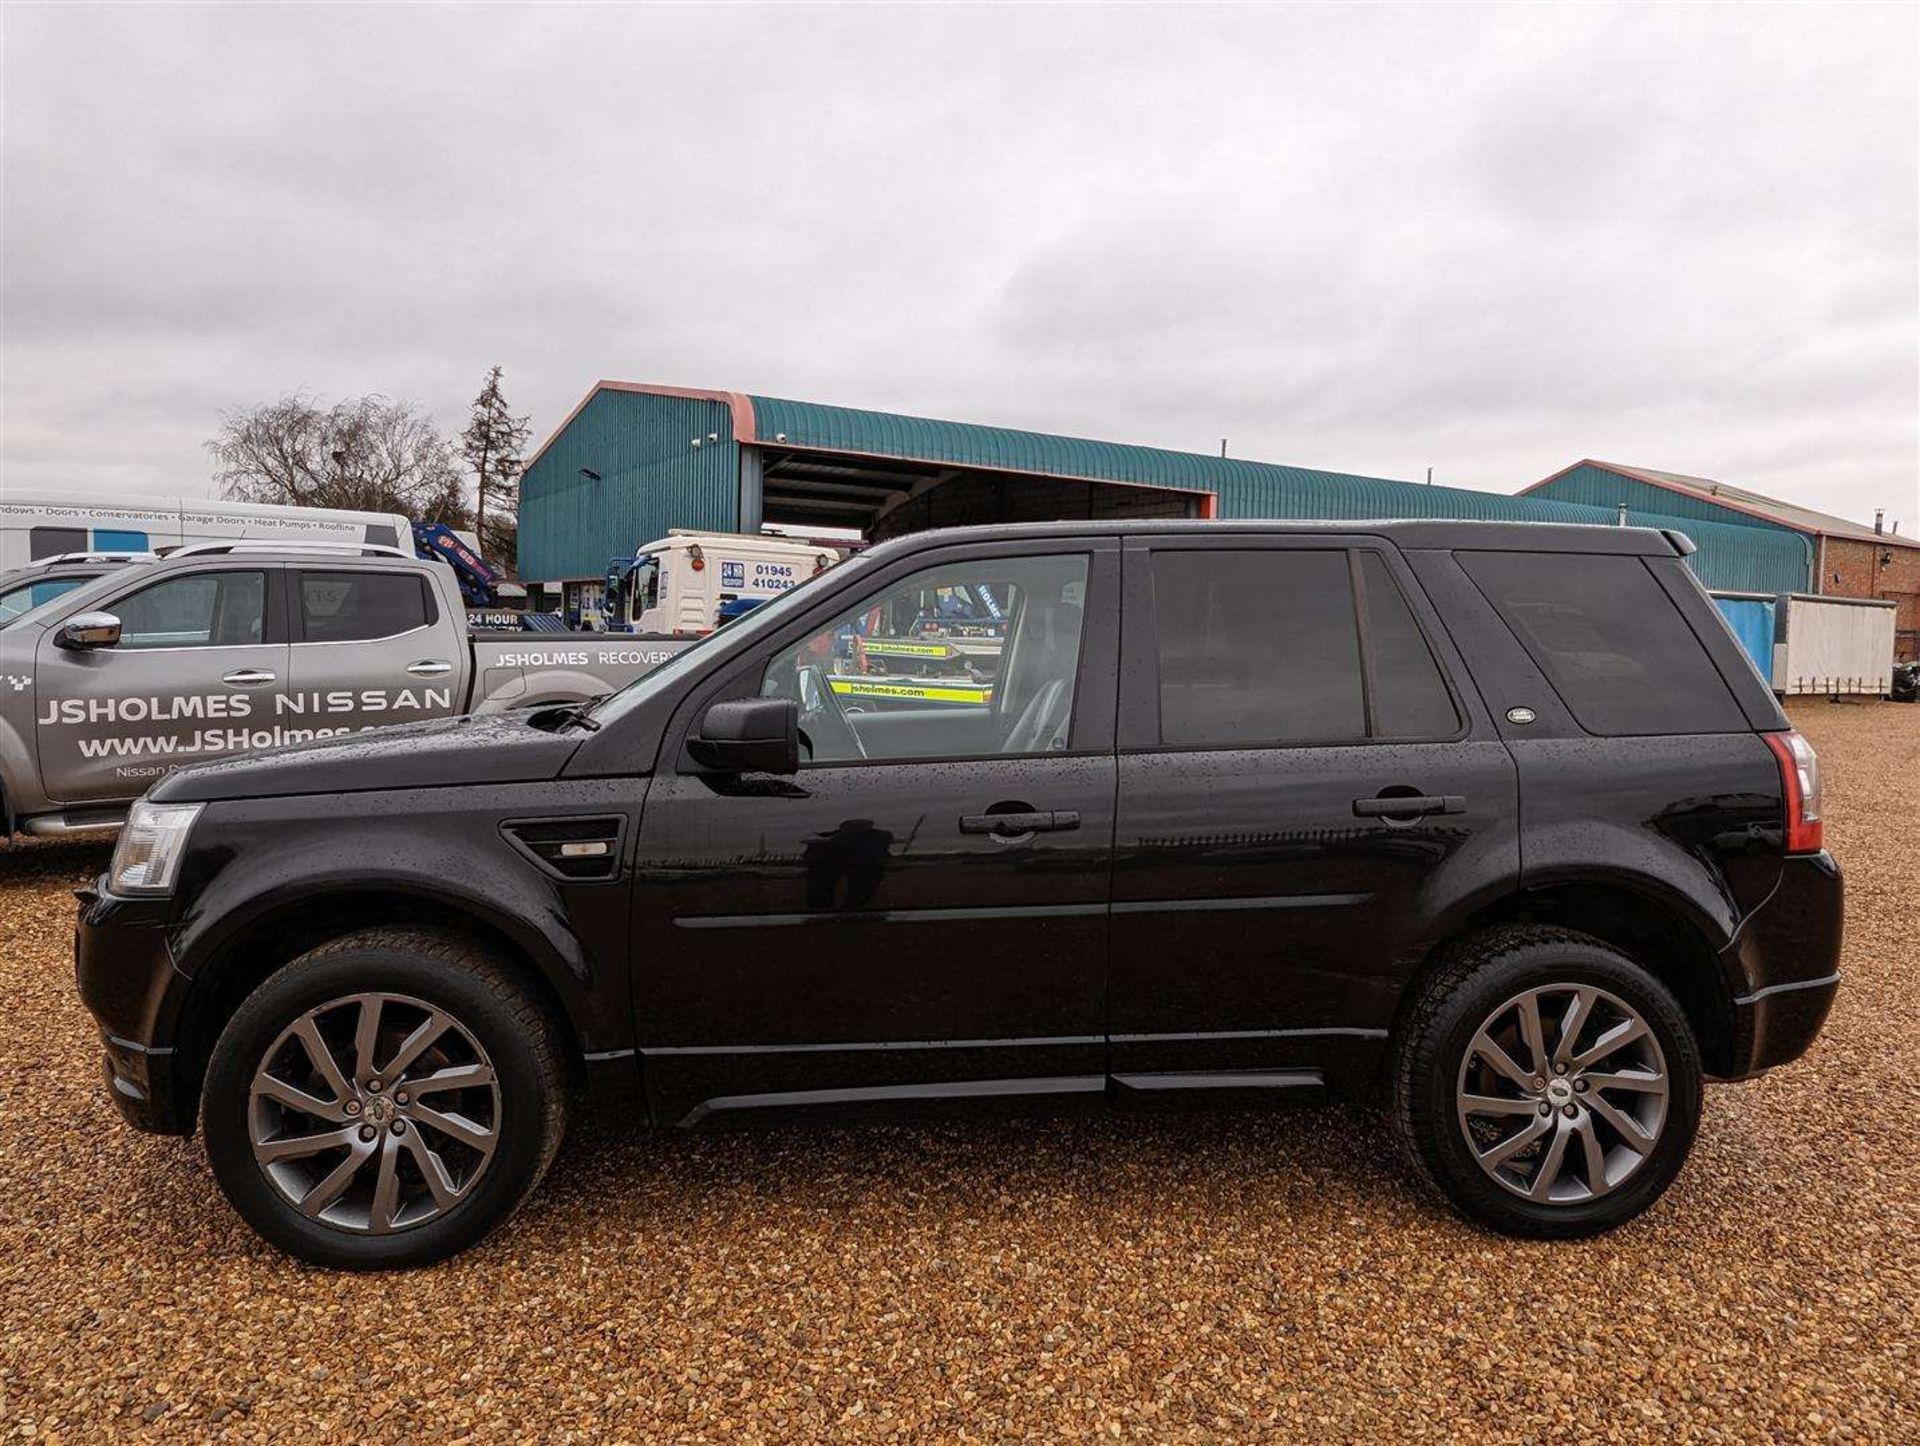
(84,631)
(749,735)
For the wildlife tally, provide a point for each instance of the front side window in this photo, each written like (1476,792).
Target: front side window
(199,610)
(646,586)
(352,607)
(958,660)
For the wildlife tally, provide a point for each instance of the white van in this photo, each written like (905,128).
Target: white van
(35,525)
(676,587)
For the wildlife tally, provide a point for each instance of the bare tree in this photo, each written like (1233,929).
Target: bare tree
(363,453)
(492,444)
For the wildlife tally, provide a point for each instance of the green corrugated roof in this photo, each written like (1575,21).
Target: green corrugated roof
(927,439)
(1730,556)
(637,437)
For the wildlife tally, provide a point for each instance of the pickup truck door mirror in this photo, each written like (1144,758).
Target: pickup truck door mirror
(749,735)
(84,631)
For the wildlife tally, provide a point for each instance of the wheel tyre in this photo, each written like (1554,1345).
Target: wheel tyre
(450,973)
(1478,976)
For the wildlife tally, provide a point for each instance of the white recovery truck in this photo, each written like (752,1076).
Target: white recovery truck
(688,583)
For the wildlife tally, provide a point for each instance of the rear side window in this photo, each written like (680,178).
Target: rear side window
(1610,641)
(1257,647)
(352,607)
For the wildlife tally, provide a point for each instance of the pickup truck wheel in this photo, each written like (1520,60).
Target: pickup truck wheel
(1546,1085)
(384,1100)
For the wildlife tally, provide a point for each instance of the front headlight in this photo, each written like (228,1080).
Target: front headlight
(147,858)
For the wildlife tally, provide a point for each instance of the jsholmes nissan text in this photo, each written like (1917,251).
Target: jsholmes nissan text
(227,648)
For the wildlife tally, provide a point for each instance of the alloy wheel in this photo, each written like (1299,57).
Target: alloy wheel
(1562,1094)
(374,1112)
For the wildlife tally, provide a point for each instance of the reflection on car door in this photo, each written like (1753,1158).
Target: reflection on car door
(920,913)
(370,646)
(199,672)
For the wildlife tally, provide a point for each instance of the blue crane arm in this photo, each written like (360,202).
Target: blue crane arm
(437,541)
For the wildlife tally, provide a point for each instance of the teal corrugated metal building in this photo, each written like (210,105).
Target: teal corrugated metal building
(621,472)
(633,461)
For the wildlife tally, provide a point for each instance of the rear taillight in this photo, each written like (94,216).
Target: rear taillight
(1800,783)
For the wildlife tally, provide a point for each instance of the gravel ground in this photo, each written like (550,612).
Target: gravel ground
(1157,1276)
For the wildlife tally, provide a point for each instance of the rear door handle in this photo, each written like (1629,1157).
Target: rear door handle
(429,668)
(1411,806)
(247,677)
(1008,825)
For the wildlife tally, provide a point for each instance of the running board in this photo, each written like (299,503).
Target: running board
(74,823)
(981,1089)
(1078,1084)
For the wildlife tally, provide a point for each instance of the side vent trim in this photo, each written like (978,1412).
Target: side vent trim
(579,849)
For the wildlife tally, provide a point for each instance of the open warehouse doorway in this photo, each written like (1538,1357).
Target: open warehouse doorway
(884,497)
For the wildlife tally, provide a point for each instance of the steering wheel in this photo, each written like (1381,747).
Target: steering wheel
(821,705)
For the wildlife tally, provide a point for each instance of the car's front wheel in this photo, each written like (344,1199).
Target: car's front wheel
(1545,1084)
(384,1100)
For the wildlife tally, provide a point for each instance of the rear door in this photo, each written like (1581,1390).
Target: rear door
(200,671)
(1308,788)
(371,645)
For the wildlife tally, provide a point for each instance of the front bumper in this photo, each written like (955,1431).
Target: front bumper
(1789,954)
(129,984)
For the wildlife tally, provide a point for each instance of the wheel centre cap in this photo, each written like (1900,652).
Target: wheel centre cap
(1559,1091)
(379,1110)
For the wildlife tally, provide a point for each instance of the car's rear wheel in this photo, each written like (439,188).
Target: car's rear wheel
(384,1100)
(1545,1084)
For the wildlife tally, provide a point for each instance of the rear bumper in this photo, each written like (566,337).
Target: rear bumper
(129,984)
(1789,955)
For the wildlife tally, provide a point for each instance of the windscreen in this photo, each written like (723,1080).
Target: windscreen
(76,597)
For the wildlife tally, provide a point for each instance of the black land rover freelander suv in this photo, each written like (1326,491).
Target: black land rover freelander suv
(1493,819)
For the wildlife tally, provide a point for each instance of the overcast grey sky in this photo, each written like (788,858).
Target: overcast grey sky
(1372,239)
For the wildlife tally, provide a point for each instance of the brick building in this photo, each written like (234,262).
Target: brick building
(1843,558)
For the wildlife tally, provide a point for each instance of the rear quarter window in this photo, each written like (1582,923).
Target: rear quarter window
(1610,641)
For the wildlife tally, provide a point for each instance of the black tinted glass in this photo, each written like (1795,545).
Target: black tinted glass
(1609,640)
(1410,699)
(52,541)
(344,607)
(1256,647)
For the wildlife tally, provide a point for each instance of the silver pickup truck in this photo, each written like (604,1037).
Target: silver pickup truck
(230,647)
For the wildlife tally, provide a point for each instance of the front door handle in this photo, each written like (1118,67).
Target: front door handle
(1019,825)
(1409,805)
(429,668)
(247,677)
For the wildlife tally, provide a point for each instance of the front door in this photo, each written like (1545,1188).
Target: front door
(1306,791)
(922,909)
(198,672)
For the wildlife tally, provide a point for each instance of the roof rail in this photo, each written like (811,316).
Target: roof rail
(267,544)
(95,557)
